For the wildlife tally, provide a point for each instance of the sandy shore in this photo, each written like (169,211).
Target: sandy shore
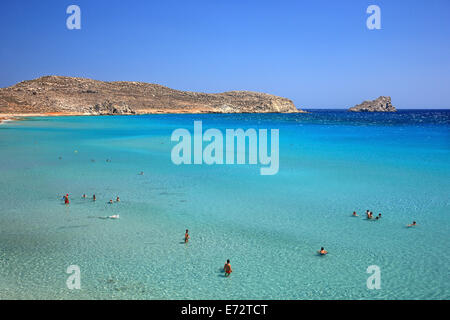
(4,117)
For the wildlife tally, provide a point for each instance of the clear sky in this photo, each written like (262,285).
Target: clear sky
(318,53)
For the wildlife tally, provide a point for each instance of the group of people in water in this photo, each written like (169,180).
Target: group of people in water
(369,215)
(117,200)
(227,267)
(94,198)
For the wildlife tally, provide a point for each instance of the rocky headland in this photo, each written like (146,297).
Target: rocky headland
(58,95)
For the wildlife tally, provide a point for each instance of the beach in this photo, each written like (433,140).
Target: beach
(4,117)
(331,164)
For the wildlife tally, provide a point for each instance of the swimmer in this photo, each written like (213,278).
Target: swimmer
(412,224)
(84,196)
(227,268)
(354,214)
(323,251)
(116,216)
(370,215)
(94,197)
(117,199)
(111,202)
(141,173)
(186,236)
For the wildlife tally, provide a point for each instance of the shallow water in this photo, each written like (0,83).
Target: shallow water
(331,163)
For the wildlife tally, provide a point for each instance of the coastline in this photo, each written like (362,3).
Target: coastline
(6,117)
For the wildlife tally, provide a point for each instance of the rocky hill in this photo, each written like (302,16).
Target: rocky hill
(381,104)
(68,95)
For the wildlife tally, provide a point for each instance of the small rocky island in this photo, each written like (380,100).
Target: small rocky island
(58,95)
(381,104)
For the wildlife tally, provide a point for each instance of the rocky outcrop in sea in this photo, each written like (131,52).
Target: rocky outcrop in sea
(381,104)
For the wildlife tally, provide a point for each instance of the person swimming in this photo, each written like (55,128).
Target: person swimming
(186,236)
(111,202)
(412,224)
(141,173)
(117,199)
(322,251)
(370,215)
(227,268)
(84,196)
(115,216)
(354,214)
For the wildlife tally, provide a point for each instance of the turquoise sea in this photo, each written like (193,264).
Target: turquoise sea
(270,227)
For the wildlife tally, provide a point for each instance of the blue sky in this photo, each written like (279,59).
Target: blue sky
(320,54)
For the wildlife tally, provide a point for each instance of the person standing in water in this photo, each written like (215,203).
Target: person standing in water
(186,236)
(94,197)
(227,268)
(66,199)
(117,199)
